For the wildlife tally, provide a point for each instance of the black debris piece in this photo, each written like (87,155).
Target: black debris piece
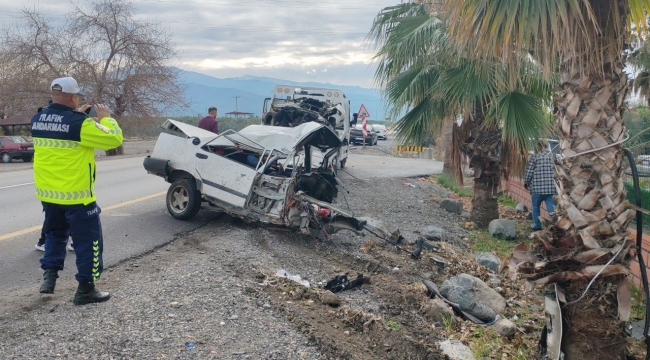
(341,282)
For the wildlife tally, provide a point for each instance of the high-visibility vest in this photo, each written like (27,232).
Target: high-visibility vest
(64,153)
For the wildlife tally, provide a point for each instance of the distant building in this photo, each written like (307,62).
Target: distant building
(14,124)
(238,114)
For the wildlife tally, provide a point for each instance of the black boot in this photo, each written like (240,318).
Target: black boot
(87,294)
(49,281)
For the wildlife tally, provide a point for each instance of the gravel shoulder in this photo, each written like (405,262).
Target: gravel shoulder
(213,293)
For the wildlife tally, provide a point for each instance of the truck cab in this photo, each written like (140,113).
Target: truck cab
(292,105)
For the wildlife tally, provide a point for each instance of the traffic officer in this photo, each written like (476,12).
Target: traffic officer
(65,139)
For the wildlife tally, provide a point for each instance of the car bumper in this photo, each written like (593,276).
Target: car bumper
(155,166)
(22,154)
(359,139)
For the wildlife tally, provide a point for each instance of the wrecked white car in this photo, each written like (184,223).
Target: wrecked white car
(261,173)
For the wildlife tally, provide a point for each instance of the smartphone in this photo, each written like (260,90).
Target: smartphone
(91,112)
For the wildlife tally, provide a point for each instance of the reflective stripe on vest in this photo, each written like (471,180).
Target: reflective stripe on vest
(63,195)
(53,143)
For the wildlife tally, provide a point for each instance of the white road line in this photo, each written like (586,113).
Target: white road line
(13,186)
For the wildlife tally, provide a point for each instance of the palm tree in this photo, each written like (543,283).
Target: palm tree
(428,79)
(583,41)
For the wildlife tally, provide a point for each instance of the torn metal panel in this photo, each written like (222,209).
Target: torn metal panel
(553,328)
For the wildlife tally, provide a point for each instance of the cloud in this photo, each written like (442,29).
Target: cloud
(280,38)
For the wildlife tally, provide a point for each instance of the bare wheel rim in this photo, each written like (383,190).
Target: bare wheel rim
(179,199)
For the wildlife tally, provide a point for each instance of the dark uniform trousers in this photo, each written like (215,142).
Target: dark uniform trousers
(83,225)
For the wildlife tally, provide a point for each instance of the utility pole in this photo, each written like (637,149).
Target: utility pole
(236,102)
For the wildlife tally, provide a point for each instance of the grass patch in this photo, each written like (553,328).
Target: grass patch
(392,325)
(484,242)
(449,183)
(485,342)
(507,201)
(638,302)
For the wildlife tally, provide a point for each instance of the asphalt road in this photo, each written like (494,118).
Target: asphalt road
(134,216)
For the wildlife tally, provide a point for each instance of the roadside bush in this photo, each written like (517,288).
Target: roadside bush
(645,200)
(152,129)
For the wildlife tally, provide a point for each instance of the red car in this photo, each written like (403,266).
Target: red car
(16,147)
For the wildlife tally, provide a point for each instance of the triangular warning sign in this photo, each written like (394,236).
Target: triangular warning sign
(363,112)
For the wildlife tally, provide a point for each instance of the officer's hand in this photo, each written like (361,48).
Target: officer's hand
(102,111)
(84,107)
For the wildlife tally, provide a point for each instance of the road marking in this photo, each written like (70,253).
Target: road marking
(13,186)
(108,208)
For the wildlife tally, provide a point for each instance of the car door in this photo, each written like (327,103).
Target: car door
(224,179)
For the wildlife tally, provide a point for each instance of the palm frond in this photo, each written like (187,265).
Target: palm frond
(424,118)
(522,120)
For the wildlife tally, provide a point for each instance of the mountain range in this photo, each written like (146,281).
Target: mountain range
(203,91)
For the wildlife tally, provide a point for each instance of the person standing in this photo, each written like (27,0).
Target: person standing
(210,122)
(64,175)
(540,181)
(40,245)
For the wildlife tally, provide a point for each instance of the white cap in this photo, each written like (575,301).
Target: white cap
(67,85)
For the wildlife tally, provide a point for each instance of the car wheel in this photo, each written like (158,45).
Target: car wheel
(343,163)
(6,158)
(28,159)
(183,199)
(376,141)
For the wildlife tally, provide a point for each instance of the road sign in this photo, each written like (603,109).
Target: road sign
(363,112)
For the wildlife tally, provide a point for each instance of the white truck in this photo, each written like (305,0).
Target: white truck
(293,105)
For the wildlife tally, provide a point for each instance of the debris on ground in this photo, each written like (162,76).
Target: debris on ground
(341,282)
(284,274)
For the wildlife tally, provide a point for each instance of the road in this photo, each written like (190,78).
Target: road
(134,216)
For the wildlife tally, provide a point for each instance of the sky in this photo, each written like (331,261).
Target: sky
(299,40)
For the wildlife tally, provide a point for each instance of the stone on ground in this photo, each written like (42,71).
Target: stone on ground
(452,206)
(505,327)
(432,232)
(521,207)
(456,350)
(489,260)
(439,311)
(329,298)
(473,296)
(504,229)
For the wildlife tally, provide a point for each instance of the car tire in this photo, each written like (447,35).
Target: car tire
(343,163)
(183,199)
(28,159)
(6,158)
(376,141)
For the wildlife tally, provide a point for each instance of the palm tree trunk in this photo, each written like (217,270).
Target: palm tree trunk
(592,216)
(447,141)
(487,175)
(482,145)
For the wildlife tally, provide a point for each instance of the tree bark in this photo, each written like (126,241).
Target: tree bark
(487,175)
(447,141)
(592,217)
(482,144)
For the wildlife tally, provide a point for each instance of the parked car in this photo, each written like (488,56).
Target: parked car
(356,135)
(267,174)
(382,132)
(16,147)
